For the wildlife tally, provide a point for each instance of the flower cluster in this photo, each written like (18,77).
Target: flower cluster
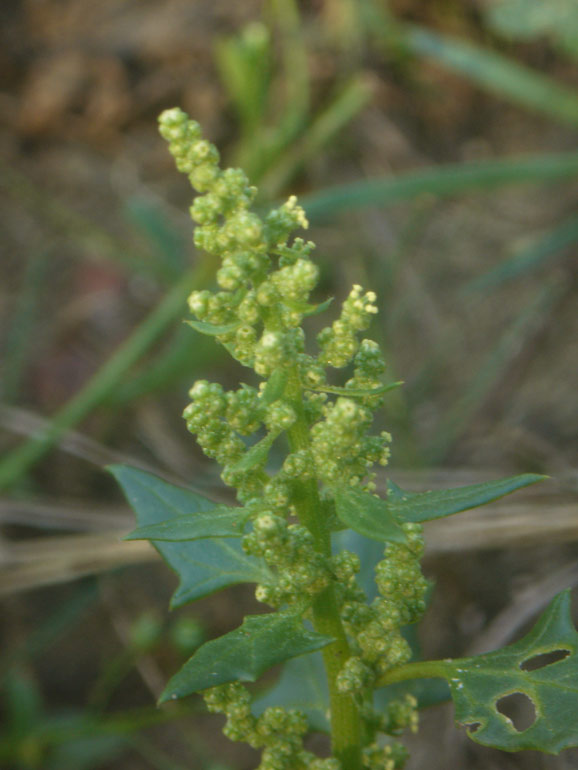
(301,572)
(264,285)
(377,628)
(278,732)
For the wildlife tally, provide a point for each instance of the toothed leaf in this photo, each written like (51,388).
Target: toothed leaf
(478,685)
(203,566)
(243,655)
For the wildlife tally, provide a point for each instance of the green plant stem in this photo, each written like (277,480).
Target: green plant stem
(104,381)
(345,719)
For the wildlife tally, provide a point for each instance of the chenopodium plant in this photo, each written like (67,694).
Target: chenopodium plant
(292,511)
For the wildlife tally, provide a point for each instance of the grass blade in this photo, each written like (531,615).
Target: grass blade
(103,382)
(540,252)
(495,73)
(446,181)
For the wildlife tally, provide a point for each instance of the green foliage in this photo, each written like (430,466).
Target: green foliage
(369,515)
(243,655)
(281,534)
(529,19)
(426,506)
(541,668)
(478,684)
(203,566)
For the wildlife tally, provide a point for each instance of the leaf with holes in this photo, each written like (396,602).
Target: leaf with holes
(203,566)
(243,655)
(542,668)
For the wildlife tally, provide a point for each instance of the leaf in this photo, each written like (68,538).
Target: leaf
(203,566)
(220,521)
(256,455)
(275,387)
(213,330)
(369,515)
(425,506)
(302,685)
(243,655)
(308,310)
(479,683)
(358,392)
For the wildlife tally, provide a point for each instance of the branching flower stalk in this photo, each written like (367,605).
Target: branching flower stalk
(265,282)
(280,536)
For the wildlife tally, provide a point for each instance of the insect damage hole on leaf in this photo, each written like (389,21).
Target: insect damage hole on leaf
(544,659)
(519,709)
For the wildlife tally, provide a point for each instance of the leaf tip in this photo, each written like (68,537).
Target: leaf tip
(166,696)
(133,535)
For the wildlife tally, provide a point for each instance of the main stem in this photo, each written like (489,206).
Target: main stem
(345,718)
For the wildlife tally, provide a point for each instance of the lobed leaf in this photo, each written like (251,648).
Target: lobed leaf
(478,685)
(243,655)
(203,566)
(425,506)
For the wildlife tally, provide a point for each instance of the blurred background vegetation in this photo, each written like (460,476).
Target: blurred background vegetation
(434,148)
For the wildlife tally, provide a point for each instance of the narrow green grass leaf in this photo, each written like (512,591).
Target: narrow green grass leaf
(425,506)
(367,514)
(203,566)
(445,181)
(15,463)
(243,655)
(495,73)
(538,254)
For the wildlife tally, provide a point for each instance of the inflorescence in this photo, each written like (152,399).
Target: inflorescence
(264,285)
